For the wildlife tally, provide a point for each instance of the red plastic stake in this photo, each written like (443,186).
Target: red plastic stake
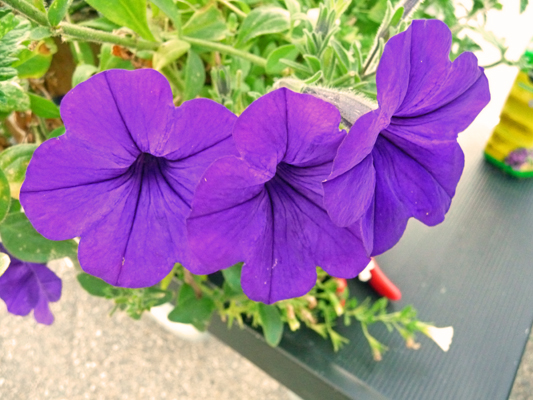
(383,285)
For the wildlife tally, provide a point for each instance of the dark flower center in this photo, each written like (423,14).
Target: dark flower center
(147,160)
(147,166)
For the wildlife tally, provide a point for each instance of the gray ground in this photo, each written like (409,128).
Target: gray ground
(87,355)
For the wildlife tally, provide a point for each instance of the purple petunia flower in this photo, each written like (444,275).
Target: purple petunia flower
(403,160)
(123,175)
(27,286)
(265,208)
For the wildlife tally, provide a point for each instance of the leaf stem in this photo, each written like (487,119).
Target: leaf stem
(93,35)
(225,49)
(28,10)
(233,8)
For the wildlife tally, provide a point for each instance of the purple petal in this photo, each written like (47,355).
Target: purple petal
(445,122)
(49,283)
(366,227)
(442,159)
(18,289)
(392,76)
(349,188)
(68,188)
(277,228)
(42,312)
(355,187)
(313,134)
(406,187)
(104,180)
(201,133)
(299,235)
(282,125)
(26,286)
(416,76)
(95,123)
(359,142)
(425,101)
(50,290)
(142,102)
(136,245)
(228,213)
(266,209)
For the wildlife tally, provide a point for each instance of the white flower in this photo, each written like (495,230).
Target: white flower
(365,275)
(441,336)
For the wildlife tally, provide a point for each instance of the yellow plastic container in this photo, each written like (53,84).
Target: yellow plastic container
(511,144)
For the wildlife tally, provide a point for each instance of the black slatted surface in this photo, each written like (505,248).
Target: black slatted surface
(474,271)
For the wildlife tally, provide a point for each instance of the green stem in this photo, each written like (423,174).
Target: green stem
(494,64)
(93,35)
(28,10)
(233,8)
(225,49)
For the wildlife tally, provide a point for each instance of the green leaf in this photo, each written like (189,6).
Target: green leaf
(34,64)
(13,31)
(169,52)
(57,11)
(15,206)
(315,78)
(82,73)
(56,132)
(170,9)
(328,63)
(357,56)
(206,23)
(397,16)
(42,107)
(523,5)
(4,263)
(342,55)
(271,323)
(22,240)
(313,62)
(262,21)
(296,66)
(13,97)
(129,13)
(14,161)
(40,33)
(232,276)
(39,4)
(191,310)
(94,285)
(288,52)
(5,196)
(194,76)
(378,11)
